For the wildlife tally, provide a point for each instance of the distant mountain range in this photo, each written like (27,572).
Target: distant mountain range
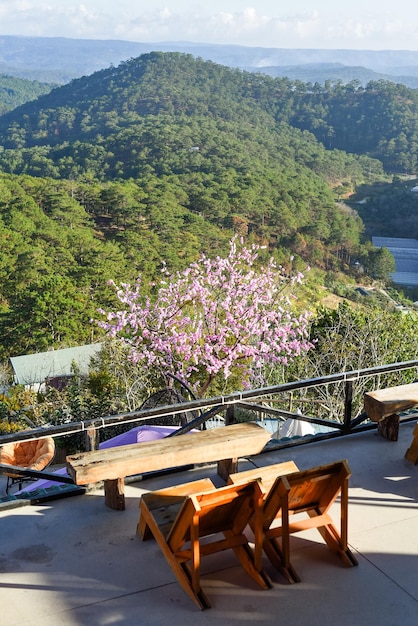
(59,60)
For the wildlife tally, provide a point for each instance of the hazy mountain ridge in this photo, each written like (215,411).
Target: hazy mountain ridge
(323,72)
(60,59)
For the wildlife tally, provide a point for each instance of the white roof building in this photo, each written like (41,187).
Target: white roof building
(34,369)
(405,253)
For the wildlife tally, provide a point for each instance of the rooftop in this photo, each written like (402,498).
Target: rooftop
(36,368)
(75,562)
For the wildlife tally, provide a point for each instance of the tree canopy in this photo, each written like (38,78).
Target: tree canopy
(217,318)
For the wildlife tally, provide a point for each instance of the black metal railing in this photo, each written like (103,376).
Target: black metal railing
(255,402)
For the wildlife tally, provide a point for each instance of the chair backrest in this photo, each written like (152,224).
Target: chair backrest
(312,489)
(225,509)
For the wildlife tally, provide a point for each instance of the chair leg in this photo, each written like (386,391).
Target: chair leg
(278,560)
(245,557)
(335,542)
(12,481)
(142,530)
(189,581)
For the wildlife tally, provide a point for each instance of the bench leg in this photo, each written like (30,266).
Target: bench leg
(227,467)
(115,494)
(389,427)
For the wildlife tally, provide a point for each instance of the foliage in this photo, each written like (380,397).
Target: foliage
(380,264)
(61,240)
(375,205)
(347,339)
(16,411)
(379,120)
(218,317)
(16,91)
(6,426)
(101,121)
(113,375)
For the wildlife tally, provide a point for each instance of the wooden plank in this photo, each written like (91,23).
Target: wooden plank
(266,475)
(392,400)
(176,493)
(165,503)
(227,442)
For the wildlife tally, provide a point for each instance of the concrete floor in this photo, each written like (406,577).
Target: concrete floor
(74,562)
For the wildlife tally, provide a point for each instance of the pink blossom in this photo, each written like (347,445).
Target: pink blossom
(217,317)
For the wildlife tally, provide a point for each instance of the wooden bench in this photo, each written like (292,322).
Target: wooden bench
(224,445)
(412,452)
(384,405)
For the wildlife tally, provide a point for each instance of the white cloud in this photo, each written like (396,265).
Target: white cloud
(377,23)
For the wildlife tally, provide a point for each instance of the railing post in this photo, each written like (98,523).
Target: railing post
(230,415)
(348,404)
(90,441)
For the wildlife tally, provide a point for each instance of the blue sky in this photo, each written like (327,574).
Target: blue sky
(356,24)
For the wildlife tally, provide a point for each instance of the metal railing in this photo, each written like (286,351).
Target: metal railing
(255,402)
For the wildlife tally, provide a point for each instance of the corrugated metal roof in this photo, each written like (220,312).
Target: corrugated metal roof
(405,254)
(409,279)
(394,242)
(406,265)
(31,369)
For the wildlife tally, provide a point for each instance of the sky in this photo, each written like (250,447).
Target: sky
(351,24)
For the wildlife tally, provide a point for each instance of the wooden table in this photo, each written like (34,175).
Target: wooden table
(384,405)
(225,445)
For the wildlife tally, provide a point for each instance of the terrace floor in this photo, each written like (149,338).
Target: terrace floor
(74,562)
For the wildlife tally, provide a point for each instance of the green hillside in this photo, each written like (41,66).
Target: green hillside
(17,91)
(157,160)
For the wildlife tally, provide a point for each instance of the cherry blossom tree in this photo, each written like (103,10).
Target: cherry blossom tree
(222,317)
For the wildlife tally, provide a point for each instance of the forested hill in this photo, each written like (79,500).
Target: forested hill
(161,158)
(215,140)
(16,91)
(90,120)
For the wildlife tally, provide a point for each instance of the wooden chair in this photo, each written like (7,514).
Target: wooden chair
(180,517)
(311,492)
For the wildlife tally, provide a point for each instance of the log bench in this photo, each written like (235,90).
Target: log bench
(111,465)
(384,405)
